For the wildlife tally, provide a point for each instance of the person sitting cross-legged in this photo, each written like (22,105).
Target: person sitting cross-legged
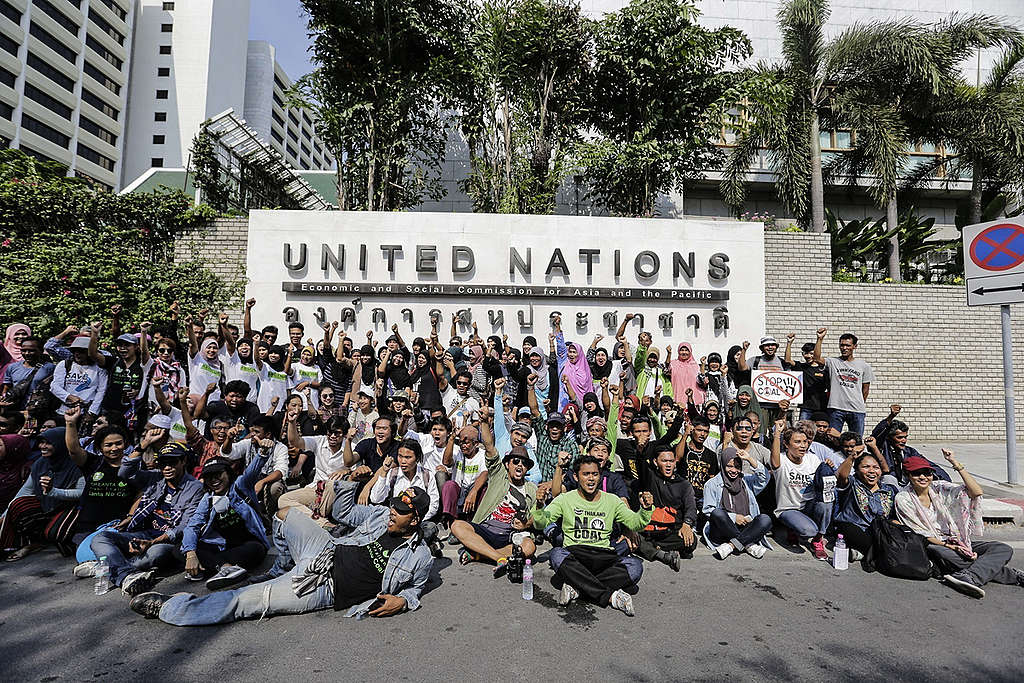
(506,509)
(374,563)
(735,522)
(587,565)
(225,534)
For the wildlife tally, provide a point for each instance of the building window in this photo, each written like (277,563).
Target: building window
(160,116)
(168,6)
(11,12)
(94,128)
(51,103)
(51,72)
(104,25)
(6,111)
(8,45)
(165,49)
(166,28)
(45,131)
(156,162)
(48,39)
(292,152)
(101,78)
(277,118)
(293,118)
(158,139)
(58,16)
(99,104)
(103,52)
(161,94)
(95,157)
(7,78)
(163,71)
(293,136)
(114,7)
(277,136)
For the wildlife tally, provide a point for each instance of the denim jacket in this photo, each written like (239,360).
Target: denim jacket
(409,565)
(241,497)
(755,483)
(182,501)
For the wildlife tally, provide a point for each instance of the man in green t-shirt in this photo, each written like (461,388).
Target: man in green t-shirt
(587,564)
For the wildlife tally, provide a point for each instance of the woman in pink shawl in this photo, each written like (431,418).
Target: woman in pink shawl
(11,352)
(683,374)
(573,365)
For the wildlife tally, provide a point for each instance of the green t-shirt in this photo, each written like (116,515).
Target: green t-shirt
(586,522)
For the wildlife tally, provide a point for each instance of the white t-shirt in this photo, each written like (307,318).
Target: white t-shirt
(463,414)
(278,459)
(468,470)
(272,383)
(235,369)
(326,461)
(395,482)
(433,455)
(177,430)
(307,373)
(202,373)
(794,484)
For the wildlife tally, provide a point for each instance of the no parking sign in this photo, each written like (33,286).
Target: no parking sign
(994,262)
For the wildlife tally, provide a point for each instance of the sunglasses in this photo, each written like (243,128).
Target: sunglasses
(462,384)
(168,462)
(739,428)
(923,473)
(517,461)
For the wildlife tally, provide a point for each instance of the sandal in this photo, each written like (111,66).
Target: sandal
(21,553)
(465,557)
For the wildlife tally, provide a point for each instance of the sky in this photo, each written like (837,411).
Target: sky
(280,23)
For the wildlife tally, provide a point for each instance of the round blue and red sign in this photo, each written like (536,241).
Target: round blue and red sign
(999,247)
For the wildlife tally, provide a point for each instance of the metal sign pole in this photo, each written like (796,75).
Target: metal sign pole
(1011,429)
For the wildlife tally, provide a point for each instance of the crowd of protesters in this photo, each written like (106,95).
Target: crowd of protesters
(199,448)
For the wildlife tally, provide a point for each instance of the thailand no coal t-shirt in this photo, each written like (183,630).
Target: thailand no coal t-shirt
(106,496)
(359,570)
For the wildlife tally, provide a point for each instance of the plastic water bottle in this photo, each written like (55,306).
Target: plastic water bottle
(102,577)
(528,581)
(841,559)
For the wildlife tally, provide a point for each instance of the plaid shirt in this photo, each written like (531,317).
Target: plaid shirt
(547,450)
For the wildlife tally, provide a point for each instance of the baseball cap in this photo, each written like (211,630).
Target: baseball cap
(161,421)
(215,466)
(519,452)
(526,429)
(128,338)
(80,342)
(172,451)
(412,499)
(768,340)
(556,418)
(916,463)
(525,410)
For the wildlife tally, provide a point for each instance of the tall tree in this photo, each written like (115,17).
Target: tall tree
(522,100)
(660,88)
(381,88)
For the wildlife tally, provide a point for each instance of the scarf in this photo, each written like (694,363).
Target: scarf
(476,357)
(12,346)
(735,497)
(541,372)
(684,376)
(736,412)
(64,473)
(578,373)
(601,371)
(951,505)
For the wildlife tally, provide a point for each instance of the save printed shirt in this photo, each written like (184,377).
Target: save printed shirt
(272,383)
(590,522)
(202,373)
(467,471)
(307,373)
(794,484)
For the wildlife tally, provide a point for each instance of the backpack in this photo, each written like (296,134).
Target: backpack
(897,551)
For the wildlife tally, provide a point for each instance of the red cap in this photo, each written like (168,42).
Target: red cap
(633,402)
(916,463)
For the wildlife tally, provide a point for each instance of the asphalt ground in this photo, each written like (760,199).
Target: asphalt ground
(786,617)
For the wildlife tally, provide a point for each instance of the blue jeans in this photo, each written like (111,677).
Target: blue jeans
(838,418)
(305,539)
(114,546)
(810,520)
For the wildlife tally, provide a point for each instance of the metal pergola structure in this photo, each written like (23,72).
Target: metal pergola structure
(239,147)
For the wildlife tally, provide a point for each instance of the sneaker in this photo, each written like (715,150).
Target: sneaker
(756,550)
(963,583)
(139,582)
(228,575)
(725,550)
(819,549)
(444,532)
(856,555)
(567,595)
(198,576)
(86,570)
(1019,575)
(148,604)
(622,601)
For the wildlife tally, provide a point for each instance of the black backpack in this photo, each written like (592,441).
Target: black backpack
(897,551)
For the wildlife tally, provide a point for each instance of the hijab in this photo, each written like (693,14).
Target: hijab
(12,346)
(398,373)
(476,356)
(580,378)
(541,372)
(737,412)
(601,371)
(63,472)
(735,497)
(684,376)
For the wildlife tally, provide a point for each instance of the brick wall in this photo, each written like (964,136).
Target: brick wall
(931,353)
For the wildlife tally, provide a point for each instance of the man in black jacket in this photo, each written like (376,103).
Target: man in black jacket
(634,453)
(670,534)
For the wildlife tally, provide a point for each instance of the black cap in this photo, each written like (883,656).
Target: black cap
(172,451)
(215,466)
(412,499)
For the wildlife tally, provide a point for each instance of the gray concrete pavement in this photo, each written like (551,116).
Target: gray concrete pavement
(786,617)
(986,460)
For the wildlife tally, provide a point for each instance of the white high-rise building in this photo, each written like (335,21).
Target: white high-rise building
(63,76)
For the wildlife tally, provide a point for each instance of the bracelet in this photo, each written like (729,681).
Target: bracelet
(959,469)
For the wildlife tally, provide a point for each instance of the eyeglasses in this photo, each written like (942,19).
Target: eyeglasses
(462,384)
(461,440)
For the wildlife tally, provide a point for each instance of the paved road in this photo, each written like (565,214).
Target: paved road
(786,617)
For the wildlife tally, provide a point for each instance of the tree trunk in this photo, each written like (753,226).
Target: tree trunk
(817,185)
(892,219)
(975,214)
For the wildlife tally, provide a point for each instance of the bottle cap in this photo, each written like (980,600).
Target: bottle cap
(528,562)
